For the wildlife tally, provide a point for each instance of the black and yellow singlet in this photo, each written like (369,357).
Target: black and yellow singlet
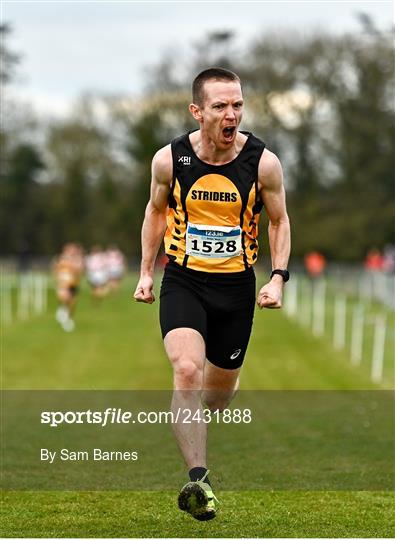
(213,212)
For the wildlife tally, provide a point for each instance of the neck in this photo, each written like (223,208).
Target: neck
(206,149)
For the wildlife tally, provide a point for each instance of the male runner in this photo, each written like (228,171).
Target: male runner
(68,269)
(116,264)
(97,274)
(208,188)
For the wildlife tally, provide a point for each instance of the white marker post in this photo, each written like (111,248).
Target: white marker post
(38,294)
(319,291)
(358,318)
(366,287)
(306,303)
(362,287)
(291,297)
(45,293)
(32,292)
(6,301)
(378,349)
(380,292)
(339,331)
(23,297)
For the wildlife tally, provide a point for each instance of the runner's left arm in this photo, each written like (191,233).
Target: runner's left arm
(270,182)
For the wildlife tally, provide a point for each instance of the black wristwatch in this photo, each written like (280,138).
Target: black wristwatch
(283,273)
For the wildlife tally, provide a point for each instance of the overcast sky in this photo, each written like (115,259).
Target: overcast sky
(71,47)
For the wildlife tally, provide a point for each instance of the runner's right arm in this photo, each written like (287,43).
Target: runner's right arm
(154,224)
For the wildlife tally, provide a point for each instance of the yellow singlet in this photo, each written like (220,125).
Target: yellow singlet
(213,213)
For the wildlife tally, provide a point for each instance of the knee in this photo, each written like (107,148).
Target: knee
(63,296)
(187,373)
(216,400)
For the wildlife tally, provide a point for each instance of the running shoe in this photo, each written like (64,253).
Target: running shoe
(68,325)
(61,314)
(197,498)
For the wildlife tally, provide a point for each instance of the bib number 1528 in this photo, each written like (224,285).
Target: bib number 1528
(208,246)
(213,241)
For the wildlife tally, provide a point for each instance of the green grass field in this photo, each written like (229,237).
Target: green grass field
(117,345)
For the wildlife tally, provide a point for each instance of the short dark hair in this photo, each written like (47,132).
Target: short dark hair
(214,73)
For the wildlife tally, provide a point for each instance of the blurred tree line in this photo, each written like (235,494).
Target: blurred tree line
(323,103)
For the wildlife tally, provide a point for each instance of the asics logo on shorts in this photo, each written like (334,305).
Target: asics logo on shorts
(235,354)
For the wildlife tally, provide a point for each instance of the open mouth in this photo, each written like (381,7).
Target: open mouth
(228,132)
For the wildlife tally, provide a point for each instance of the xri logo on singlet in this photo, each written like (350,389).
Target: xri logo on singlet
(185,160)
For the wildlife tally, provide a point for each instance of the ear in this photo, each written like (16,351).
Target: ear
(196,112)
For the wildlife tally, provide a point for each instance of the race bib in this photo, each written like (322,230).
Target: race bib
(210,241)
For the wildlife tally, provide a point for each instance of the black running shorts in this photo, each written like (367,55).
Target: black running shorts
(220,306)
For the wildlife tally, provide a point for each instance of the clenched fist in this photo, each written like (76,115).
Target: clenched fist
(145,290)
(270,295)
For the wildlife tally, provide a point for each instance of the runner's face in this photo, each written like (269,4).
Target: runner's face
(222,111)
